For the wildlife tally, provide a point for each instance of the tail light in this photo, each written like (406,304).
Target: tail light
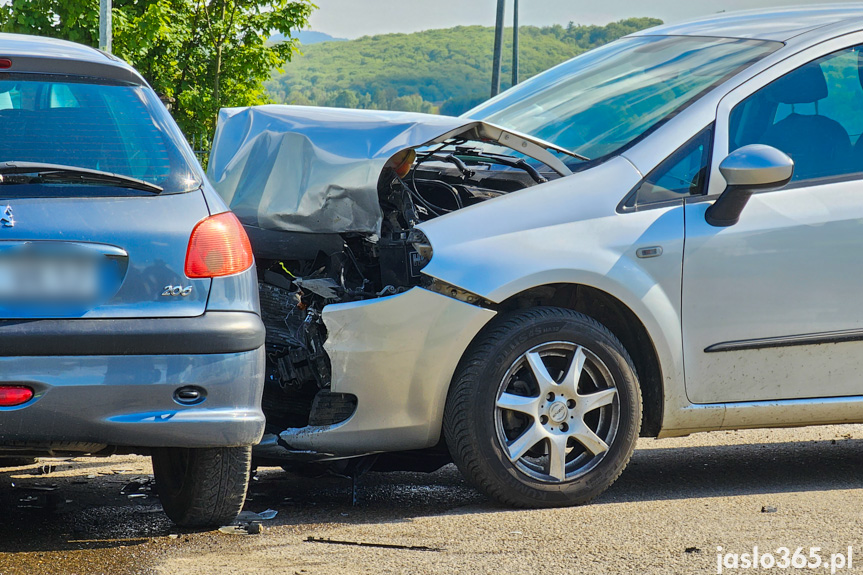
(12,395)
(218,247)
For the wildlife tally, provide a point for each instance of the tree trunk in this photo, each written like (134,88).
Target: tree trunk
(216,77)
(219,46)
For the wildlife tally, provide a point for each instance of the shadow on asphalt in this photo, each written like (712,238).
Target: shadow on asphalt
(748,469)
(94,514)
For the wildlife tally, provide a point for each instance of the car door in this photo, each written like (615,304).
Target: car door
(772,306)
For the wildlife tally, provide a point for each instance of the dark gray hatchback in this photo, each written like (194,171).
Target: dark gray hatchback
(129,315)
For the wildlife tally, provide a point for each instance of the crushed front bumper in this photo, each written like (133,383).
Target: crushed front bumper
(397,355)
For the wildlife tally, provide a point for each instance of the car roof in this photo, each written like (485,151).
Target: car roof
(52,55)
(780,24)
(25,45)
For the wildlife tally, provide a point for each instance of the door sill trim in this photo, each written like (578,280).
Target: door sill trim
(822,338)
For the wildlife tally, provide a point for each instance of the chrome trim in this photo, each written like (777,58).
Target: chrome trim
(7,220)
(788,341)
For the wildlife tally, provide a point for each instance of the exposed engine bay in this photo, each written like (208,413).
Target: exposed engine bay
(301,272)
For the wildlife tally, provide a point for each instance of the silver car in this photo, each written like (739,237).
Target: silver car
(658,237)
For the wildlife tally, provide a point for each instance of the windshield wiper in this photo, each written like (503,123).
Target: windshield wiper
(57,172)
(501,159)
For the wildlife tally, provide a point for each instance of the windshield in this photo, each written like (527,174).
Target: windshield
(118,128)
(603,100)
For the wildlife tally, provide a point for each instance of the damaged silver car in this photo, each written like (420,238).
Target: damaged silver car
(589,256)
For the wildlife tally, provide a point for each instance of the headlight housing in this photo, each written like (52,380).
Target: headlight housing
(422,245)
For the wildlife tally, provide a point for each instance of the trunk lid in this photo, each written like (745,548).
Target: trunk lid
(99,257)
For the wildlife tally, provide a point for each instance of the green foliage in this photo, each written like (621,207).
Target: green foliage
(201,55)
(446,71)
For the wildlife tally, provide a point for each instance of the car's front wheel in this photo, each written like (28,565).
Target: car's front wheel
(544,409)
(202,487)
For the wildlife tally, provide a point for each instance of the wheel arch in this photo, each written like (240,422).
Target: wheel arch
(621,321)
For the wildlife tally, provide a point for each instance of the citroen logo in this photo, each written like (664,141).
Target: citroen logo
(6,220)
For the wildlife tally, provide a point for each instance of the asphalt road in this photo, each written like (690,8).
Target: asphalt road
(674,505)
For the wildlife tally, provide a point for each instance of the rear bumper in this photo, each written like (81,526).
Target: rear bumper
(214,332)
(129,401)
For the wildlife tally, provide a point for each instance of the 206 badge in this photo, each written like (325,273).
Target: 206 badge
(177,291)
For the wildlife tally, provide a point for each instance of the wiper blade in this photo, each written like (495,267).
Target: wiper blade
(503,160)
(74,173)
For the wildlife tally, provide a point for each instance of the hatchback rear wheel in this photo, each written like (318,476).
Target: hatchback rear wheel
(544,409)
(202,487)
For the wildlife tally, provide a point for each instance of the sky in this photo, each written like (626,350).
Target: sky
(355,18)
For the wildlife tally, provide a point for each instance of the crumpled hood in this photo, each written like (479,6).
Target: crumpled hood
(305,169)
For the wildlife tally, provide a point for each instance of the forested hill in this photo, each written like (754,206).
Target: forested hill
(446,71)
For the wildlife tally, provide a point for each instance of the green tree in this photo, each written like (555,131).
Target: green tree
(445,70)
(347,99)
(201,55)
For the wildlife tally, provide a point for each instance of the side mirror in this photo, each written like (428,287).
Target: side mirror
(747,170)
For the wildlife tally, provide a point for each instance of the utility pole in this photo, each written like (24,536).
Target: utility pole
(498,48)
(515,44)
(105,25)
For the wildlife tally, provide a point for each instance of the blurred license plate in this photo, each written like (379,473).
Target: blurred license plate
(48,278)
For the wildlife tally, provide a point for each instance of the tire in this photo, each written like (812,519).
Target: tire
(523,432)
(202,487)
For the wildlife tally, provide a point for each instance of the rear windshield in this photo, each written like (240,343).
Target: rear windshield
(118,128)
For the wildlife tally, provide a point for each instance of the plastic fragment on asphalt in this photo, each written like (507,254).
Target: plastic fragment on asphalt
(138,484)
(253,528)
(768,509)
(45,469)
(42,487)
(248,523)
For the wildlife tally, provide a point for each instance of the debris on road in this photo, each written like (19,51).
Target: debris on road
(378,545)
(249,523)
(45,469)
(253,528)
(40,487)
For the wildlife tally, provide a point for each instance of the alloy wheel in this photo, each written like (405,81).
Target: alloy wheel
(557,411)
